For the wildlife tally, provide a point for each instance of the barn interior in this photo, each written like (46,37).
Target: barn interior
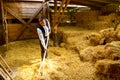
(84,40)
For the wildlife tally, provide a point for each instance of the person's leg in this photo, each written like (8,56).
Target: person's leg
(42,51)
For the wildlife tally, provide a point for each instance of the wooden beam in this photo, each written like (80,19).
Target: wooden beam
(13,13)
(20,19)
(55,6)
(2,12)
(55,12)
(4,26)
(48,11)
(60,16)
(55,20)
(35,14)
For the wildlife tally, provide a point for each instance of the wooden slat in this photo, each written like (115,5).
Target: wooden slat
(14,14)
(15,30)
(21,20)
(35,14)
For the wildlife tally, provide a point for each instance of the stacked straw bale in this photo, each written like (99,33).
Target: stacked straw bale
(94,20)
(104,36)
(112,50)
(109,68)
(92,54)
(84,18)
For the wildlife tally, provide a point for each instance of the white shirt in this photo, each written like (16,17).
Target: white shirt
(41,37)
(40,34)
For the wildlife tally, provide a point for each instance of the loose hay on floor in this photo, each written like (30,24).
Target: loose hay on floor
(24,58)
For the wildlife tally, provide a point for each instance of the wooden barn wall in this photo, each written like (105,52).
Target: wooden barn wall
(2,41)
(66,19)
(95,20)
(1,28)
(109,9)
(15,29)
(25,10)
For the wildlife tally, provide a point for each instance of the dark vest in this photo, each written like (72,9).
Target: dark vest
(42,29)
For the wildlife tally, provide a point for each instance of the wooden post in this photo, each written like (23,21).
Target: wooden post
(4,26)
(57,17)
(54,29)
(47,11)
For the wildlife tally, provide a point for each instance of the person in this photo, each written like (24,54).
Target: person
(43,30)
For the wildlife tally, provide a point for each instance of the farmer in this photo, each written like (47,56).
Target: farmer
(43,30)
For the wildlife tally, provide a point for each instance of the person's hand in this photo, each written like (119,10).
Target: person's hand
(45,49)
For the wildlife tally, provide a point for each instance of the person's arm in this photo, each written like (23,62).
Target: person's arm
(41,38)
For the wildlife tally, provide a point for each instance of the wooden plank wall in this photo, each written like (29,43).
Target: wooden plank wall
(2,41)
(15,29)
(1,28)
(25,10)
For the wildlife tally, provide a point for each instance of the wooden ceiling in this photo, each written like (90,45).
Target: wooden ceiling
(90,3)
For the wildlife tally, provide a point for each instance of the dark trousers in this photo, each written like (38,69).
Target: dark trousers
(42,50)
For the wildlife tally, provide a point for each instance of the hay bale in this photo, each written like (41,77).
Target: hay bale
(94,38)
(92,53)
(108,18)
(99,25)
(108,35)
(109,68)
(112,50)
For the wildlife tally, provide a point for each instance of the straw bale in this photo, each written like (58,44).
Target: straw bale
(104,36)
(101,25)
(109,68)
(112,50)
(107,32)
(92,53)
(108,18)
(94,38)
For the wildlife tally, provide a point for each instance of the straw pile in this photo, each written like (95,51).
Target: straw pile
(24,58)
(75,38)
(109,68)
